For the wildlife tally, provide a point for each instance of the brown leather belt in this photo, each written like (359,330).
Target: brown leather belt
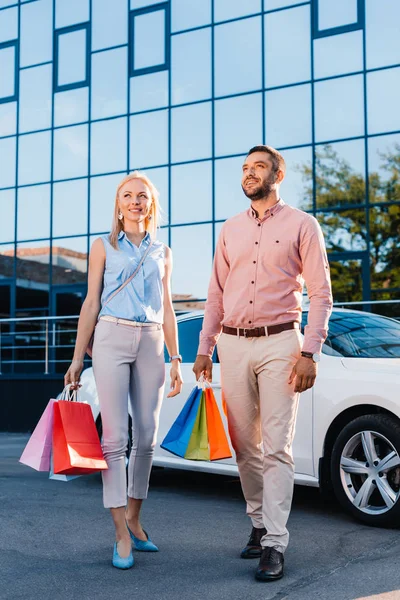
(260,331)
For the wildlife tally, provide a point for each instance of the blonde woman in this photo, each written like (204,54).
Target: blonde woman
(130,325)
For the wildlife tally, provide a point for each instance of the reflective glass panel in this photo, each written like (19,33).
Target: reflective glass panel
(144,3)
(385,249)
(191,190)
(33,218)
(229,197)
(7,211)
(70,152)
(190,13)
(7,162)
(231,9)
(34,158)
(274,4)
(71,106)
(336,14)
(287,46)
(288,116)
(191,274)
(191,66)
(4,3)
(70,12)
(149,139)
(384,168)
(347,286)
(70,208)
(8,118)
(149,40)
(7,70)
(191,132)
(382,33)
(340,174)
(36,43)
(339,108)
(238,66)
(109,83)
(102,197)
(297,187)
(108,146)
(9,24)
(109,23)
(72,57)
(383,106)
(344,230)
(159,177)
(238,124)
(149,91)
(35,98)
(338,54)
(32,293)
(163,235)
(69,260)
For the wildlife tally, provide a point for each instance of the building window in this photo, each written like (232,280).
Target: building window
(149,35)
(8,70)
(72,57)
(341,16)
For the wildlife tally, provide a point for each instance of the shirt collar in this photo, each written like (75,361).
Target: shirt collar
(270,212)
(145,240)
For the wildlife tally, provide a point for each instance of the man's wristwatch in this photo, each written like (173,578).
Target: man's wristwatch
(176,357)
(315,357)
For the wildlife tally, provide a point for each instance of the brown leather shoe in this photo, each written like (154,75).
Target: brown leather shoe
(271,564)
(253,548)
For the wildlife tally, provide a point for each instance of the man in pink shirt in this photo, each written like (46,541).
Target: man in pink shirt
(263,257)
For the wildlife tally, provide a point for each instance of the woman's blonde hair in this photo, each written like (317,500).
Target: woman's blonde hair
(152,220)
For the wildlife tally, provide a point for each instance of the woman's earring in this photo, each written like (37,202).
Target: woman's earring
(149,217)
(120,216)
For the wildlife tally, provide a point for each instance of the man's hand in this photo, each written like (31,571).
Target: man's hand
(305,373)
(203,366)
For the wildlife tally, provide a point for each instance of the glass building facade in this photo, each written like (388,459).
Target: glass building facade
(93,89)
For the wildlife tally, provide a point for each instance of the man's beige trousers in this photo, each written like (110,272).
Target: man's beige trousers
(262,409)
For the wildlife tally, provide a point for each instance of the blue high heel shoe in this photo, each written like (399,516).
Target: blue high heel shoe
(140,545)
(122,563)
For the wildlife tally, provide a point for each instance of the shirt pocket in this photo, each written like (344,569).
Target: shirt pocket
(277,252)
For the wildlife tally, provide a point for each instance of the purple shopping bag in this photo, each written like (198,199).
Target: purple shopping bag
(38,449)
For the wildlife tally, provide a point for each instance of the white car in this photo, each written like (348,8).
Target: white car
(348,427)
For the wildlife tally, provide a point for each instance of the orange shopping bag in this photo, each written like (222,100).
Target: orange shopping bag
(76,444)
(218,442)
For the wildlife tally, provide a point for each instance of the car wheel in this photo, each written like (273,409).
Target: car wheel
(99,427)
(365,469)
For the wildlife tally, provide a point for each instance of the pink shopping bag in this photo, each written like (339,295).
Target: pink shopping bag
(38,449)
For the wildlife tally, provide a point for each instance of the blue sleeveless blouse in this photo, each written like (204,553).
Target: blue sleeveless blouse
(142,299)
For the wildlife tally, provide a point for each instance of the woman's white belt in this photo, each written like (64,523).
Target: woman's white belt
(125,321)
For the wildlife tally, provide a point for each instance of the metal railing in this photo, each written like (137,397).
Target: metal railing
(44,345)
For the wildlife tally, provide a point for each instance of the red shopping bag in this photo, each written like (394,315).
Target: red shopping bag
(217,440)
(76,444)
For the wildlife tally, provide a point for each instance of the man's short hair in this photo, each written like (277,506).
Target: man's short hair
(278,162)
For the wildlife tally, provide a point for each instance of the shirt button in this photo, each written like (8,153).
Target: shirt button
(252,282)
(254,262)
(249,322)
(259,224)
(256,243)
(251,301)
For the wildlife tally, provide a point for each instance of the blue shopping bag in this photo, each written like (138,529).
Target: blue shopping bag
(177,439)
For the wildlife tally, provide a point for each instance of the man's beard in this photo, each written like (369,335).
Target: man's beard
(262,191)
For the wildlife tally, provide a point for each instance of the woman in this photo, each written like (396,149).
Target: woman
(128,351)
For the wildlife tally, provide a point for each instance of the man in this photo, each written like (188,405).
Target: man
(262,259)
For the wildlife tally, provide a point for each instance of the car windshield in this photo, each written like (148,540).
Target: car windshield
(362,335)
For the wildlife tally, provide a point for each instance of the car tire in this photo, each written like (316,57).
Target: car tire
(365,469)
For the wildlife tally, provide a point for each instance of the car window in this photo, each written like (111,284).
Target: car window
(188,334)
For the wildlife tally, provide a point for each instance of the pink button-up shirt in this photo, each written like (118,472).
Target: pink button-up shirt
(260,266)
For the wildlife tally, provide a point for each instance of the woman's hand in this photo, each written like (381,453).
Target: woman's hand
(176,379)
(73,375)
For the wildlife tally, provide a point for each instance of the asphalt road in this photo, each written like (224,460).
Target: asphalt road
(56,543)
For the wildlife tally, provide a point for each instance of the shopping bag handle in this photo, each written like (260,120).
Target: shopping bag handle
(203,383)
(68,394)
